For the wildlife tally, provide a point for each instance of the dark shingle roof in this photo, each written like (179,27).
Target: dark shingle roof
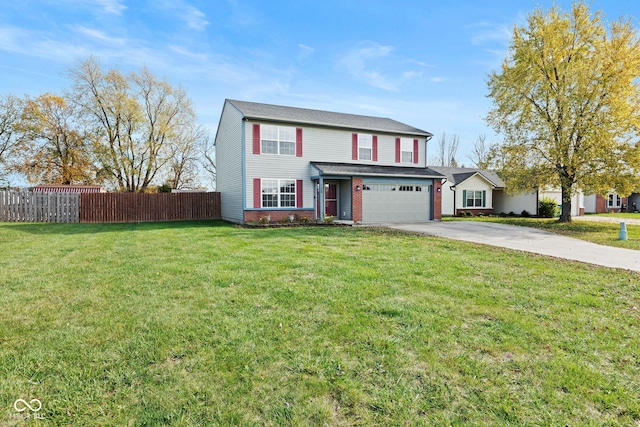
(327,168)
(294,115)
(458,175)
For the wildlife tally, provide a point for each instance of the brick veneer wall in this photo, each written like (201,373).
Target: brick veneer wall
(275,216)
(437,199)
(356,200)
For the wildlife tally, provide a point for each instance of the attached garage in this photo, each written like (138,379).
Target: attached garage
(372,193)
(396,200)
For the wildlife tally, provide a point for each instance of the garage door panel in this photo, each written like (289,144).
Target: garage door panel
(381,205)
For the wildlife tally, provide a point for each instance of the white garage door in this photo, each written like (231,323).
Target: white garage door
(399,202)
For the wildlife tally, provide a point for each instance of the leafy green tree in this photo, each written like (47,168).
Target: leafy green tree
(567,103)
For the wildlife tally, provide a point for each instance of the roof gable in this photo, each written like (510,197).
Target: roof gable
(294,115)
(458,175)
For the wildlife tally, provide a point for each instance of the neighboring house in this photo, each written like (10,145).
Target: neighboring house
(275,161)
(61,188)
(482,191)
(612,202)
(470,190)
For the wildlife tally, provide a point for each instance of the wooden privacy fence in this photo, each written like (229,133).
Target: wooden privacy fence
(136,207)
(107,207)
(22,206)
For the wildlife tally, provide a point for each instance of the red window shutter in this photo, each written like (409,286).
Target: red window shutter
(298,142)
(415,151)
(257,194)
(374,148)
(256,138)
(354,146)
(298,193)
(397,150)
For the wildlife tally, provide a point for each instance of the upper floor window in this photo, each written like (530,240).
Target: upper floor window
(614,201)
(406,150)
(278,140)
(364,147)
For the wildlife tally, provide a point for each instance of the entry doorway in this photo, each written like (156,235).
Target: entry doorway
(330,199)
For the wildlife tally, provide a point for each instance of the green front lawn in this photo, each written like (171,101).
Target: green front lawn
(603,233)
(198,324)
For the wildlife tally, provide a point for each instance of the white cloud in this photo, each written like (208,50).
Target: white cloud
(99,35)
(490,34)
(195,19)
(376,65)
(114,7)
(305,51)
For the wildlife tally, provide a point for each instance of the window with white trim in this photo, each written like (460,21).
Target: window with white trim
(406,150)
(365,147)
(278,193)
(614,201)
(473,199)
(278,140)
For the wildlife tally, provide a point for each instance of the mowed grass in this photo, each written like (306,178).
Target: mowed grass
(602,233)
(205,324)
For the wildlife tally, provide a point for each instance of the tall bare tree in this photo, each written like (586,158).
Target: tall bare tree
(447,151)
(140,121)
(208,160)
(481,152)
(183,170)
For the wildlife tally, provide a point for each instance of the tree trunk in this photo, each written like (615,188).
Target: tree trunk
(565,216)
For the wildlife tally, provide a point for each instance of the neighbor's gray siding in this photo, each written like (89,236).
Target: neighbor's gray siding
(229,163)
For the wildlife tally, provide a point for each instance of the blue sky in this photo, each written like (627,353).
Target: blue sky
(424,63)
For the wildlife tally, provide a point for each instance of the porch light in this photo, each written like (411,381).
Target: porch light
(357,188)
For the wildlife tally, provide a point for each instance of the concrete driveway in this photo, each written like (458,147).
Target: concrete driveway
(528,240)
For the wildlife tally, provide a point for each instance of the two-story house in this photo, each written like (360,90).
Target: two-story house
(281,161)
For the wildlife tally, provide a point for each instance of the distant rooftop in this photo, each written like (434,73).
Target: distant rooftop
(294,115)
(457,175)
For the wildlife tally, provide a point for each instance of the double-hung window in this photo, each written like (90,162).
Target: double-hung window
(406,150)
(278,140)
(473,199)
(614,201)
(278,193)
(365,147)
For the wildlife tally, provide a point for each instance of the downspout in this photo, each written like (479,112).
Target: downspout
(453,188)
(426,146)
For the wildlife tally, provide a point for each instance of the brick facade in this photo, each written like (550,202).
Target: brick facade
(275,216)
(437,199)
(356,199)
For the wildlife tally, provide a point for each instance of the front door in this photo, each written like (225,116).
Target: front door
(330,199)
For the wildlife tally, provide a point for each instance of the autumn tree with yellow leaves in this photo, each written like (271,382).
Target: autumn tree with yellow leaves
(54,147)
(567,102)
(141,123)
